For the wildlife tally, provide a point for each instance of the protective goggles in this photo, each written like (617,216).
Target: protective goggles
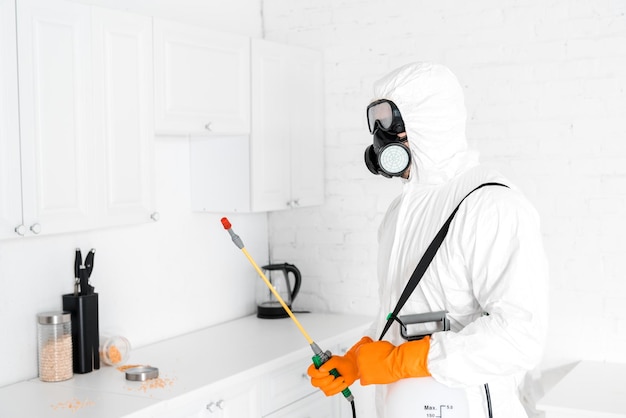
(384,115)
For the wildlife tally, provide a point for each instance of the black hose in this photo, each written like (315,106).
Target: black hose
(353,409)
(488,400)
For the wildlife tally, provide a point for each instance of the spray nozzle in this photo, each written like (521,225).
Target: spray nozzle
(227,226)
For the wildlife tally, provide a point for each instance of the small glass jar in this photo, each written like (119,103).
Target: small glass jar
(54,332)
(114,350)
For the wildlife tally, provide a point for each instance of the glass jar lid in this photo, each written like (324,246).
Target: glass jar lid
(53,318)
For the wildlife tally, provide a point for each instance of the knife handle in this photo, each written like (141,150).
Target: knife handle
(78,261)
(89,261)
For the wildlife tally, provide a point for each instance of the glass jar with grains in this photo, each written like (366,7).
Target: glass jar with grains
(54,332)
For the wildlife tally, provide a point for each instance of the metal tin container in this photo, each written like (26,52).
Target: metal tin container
(54,332)
(142,373)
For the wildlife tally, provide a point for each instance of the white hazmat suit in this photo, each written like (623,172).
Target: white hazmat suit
(490,273)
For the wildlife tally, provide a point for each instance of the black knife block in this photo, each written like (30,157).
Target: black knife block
(85,332)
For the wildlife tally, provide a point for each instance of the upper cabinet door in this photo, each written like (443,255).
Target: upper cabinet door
(287,141)
(123,117)
(57,140)
(202,80)
(86,116)
(10,184)
(271,139)
(306,85)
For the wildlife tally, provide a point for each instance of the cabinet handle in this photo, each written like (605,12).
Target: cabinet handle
(208,127)
(35,228)
(20,230)
(296,202)
(212,405)
(155,216)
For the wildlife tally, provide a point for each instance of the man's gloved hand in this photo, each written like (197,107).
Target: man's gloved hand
(346,365)
(381,362)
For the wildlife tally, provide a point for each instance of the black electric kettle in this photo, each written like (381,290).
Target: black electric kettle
(268,306)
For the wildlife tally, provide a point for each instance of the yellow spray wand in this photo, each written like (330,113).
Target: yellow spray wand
(320,356)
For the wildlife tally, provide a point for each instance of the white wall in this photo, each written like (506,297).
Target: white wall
(155,280)
(545,86)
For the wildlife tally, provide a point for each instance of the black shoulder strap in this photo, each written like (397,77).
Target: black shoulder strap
(425,261)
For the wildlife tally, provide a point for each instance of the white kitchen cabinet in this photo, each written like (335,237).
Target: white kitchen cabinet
(85,114)
(202,80)
(228,401)
(280,165)
(232,399)
(10,184)
(124,116)
(287,392)
(233,402)
(284,386)
(287,143)
(313,406)
(56,115)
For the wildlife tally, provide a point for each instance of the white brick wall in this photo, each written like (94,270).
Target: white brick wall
(545,89)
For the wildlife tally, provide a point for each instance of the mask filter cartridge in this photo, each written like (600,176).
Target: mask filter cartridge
(387,158)
(394,158)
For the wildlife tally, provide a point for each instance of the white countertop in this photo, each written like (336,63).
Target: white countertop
(186,363)
(590,389)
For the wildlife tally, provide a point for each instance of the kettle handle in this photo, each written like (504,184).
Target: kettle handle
(297,279)
(288,268)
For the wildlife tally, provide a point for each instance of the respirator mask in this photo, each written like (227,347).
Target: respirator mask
(388,155)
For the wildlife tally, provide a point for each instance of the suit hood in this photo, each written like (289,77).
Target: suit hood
(432,105)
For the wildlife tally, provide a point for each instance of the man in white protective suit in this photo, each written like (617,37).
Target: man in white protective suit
(490,273)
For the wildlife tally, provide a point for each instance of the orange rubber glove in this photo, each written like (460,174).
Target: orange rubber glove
(346,365)
(381,362)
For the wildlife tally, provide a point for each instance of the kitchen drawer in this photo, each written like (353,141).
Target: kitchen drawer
(313,406)
(285,386)
(236,399)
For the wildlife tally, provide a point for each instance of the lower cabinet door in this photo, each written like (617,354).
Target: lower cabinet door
(313,406)
(231,401)
(285,386)
(234,402)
